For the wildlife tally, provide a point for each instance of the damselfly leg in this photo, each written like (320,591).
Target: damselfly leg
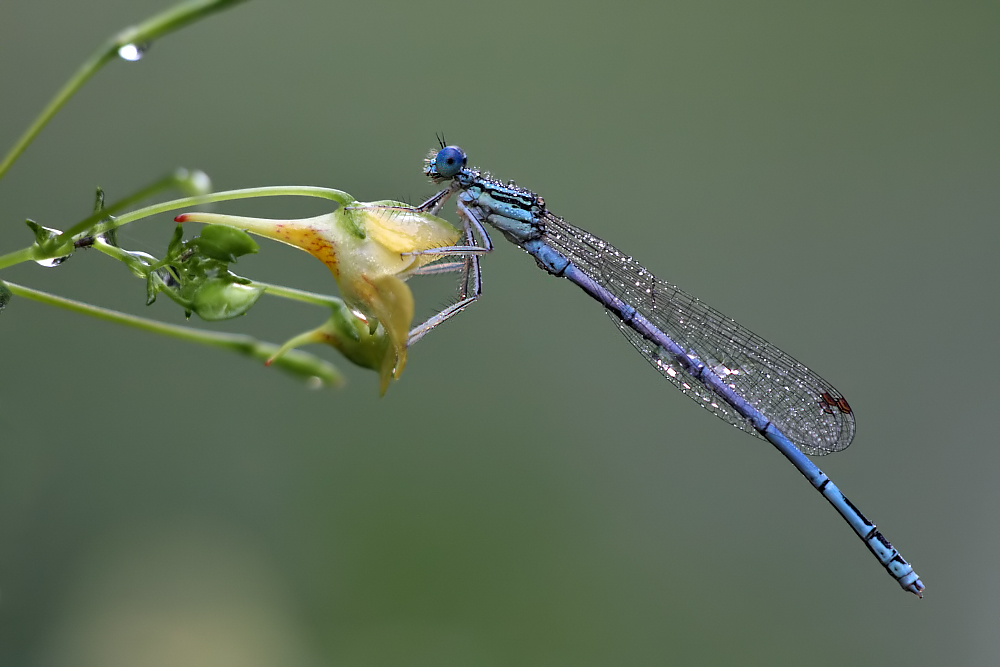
(471,285)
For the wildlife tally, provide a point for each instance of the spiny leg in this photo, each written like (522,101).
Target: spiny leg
(437,201)
(435,269)
(470,290)
(469,221)
(472,279)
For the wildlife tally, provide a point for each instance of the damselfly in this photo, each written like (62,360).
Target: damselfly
(721,365)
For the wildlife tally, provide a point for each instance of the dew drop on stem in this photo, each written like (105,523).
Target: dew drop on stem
(132,52)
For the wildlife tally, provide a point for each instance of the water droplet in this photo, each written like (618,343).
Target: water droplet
(49,263)
(143,257)
(200,182)
(132,52)
(53,261)
(166,277)
(315,382)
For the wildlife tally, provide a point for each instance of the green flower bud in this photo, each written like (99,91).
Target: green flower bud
(222,299)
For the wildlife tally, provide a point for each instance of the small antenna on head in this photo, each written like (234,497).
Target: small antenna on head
(440,138)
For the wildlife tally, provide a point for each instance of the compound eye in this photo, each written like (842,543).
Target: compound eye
(449,161)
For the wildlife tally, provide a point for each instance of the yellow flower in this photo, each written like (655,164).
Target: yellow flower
(362,243)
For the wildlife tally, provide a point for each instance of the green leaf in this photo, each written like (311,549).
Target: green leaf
(225,243)
(195,274)
(51,252)
(42,234)
(151,288)
(174,247)
(111,236)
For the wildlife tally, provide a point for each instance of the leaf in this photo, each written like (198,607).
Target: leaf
(195,274)
(174,247)
(42,234)
(224,243)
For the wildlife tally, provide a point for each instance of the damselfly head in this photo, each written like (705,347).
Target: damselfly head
(445,164)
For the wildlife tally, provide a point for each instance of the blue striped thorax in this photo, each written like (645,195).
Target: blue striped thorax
(516,212)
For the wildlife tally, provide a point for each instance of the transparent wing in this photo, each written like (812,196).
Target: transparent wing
(804,406)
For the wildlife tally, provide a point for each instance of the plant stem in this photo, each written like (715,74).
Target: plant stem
(176,179)
(172,19)
(18,256)
(301,364)
(87,70)
(26,254)
(123,256)
(339,196)
(313,298)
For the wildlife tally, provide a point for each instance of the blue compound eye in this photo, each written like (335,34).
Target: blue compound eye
(449,161)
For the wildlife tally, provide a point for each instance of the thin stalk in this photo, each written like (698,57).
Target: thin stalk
(313,298)
(301,364)
(123,256)
(27,254)
(172,19)
(339,196)
(17,257)
(178,178)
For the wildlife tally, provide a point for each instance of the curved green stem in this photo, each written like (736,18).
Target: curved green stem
(180,178)
(87,224)
(339,196)
(301,364)
(17,257)
(172,19)
(313,298)
(123,256)
(87,70)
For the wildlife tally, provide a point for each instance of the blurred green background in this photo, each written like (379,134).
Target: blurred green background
(530,492)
